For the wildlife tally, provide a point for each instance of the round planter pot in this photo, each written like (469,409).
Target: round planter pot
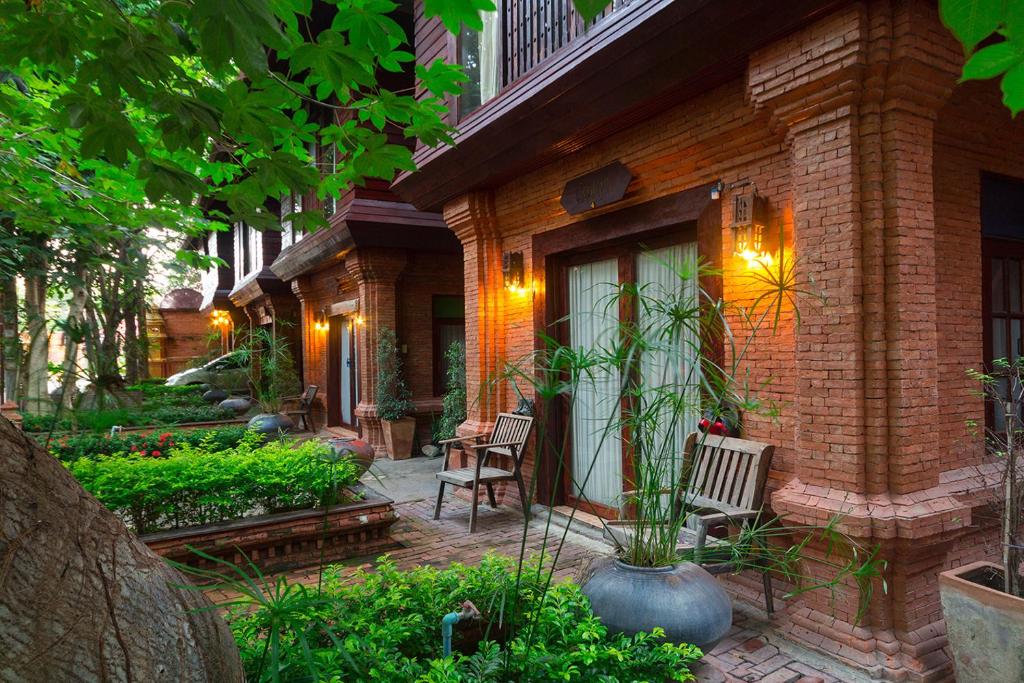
(359,452)
(683,599)
(271,423)
(238,405)
(215,395)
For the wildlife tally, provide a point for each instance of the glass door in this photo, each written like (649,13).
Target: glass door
(599,468)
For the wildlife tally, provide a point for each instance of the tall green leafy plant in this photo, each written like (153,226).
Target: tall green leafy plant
(394,400)
(453,405)
(272,376)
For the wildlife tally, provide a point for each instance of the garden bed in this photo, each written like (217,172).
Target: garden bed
(286,540)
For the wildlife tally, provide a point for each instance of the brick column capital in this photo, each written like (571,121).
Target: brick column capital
(473,217)
(375,265)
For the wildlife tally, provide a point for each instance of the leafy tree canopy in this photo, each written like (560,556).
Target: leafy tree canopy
(992,33)
(118,113)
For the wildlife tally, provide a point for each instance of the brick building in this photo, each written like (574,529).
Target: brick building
(178,333)
(893,187)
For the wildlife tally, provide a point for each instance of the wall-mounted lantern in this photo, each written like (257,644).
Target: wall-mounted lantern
(751,215)
(513,271)
(219,318)
(321,324)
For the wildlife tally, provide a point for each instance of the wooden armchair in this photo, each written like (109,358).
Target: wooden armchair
(303,406)
(508,438)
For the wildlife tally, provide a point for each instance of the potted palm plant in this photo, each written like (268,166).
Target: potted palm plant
(983,602)
(394,402)
(653,375)
(272,377)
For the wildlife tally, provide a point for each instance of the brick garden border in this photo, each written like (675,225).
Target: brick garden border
(286,540)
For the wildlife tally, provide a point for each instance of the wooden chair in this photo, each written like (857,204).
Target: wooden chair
(722,485)
(725,485)
(304,406)
(508,439)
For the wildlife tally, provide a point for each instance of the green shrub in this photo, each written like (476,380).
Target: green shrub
(160,405)
(394,400)
(385,626)
(200,484)
(453,406)
(95,444)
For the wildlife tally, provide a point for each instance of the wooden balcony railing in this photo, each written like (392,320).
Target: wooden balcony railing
(536,29)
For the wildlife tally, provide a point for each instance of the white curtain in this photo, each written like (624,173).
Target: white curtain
(593,323)
(667,280)
(490,54)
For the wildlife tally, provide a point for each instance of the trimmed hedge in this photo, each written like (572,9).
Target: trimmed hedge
(200,485)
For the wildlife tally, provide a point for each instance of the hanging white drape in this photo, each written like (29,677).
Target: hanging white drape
(490,55)
(667,281)
(593,323)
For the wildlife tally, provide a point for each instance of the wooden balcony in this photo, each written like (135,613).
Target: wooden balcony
(534,30)
(565,88)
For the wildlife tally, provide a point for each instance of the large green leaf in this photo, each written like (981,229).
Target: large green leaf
(971,21)
(992,60)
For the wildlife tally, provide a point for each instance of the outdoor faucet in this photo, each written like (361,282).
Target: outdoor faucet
(469,611)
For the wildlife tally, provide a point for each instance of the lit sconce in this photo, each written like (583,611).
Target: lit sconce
(750,218)
(513,272)
(358,320)
(219,318)
(321,324)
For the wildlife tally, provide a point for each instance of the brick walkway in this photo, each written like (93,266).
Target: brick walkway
(751,652)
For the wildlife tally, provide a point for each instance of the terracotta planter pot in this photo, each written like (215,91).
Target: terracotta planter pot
(985,626)
(683,599)
(398,437)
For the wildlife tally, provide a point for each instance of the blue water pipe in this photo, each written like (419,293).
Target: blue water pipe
(469,611)
(447,622)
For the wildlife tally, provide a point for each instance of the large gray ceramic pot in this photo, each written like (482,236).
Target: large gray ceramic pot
(271,423)
(683,599)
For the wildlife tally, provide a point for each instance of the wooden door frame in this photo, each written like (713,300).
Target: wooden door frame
(337,326)
(690,215)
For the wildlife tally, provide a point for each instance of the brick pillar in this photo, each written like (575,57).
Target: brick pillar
(474,220)
(857,94)
(375,272)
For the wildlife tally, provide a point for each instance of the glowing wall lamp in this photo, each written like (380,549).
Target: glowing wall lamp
(751,214)
(219,318)
(513,272)
(321,324)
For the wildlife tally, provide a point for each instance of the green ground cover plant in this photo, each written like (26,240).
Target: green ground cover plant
(157,444)
(384,625)
(204,483)
(158,405)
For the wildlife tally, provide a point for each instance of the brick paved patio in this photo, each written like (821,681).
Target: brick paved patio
(751,652)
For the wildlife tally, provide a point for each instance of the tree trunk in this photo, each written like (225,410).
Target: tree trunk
(37,395)
(10,344)
(82,599)
(76,319)
(131,339)
(140,314)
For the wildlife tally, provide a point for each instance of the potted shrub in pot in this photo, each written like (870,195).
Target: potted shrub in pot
(394,402)
(272,377)
(983,602)
(453,406)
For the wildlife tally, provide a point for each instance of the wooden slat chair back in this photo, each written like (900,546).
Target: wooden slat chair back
(725,480)
(304,407)
(728,470)
(509,437)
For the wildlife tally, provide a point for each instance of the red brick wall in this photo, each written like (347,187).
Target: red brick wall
(423,276)
(188,334)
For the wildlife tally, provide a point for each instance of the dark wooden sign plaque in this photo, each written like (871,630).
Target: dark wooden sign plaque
(593,190)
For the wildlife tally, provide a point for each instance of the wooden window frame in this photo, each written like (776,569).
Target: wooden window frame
(437,353)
